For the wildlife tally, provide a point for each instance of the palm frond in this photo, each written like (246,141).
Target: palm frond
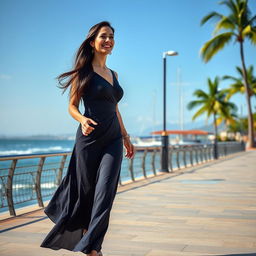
(210,111)
(229,93)
(252,21)
(224,23)
(195,103)
(230,78)
(219,120)
(240,72)
(216,82)
(213,87)
(211,15)
(214,45)
(236,88)
(199,112)
(250,69)
(232,107)
(231,5)
(200,94)
(252,35)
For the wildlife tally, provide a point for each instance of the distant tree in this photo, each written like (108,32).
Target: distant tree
(241,125)
(239,25)
(213,103)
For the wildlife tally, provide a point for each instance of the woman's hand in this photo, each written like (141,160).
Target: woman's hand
(85,124)
(129,148)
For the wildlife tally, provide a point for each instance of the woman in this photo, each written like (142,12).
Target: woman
(80,207)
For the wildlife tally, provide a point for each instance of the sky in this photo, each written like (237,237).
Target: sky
(39,40)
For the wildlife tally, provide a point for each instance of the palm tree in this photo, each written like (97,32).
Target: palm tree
(241,125)
(239,25)
(238,86)
(213,103)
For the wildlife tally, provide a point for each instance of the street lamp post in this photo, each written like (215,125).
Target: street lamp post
(165,138)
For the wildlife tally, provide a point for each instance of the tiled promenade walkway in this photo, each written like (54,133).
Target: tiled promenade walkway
(205,210)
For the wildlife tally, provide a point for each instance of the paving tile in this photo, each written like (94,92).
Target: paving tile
(165,215)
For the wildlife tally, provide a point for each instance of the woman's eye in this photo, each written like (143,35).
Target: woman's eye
(111,37)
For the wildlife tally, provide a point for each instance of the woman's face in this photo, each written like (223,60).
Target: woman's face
(104,41)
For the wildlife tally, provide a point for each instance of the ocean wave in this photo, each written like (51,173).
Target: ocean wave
(48,185)
(34,150)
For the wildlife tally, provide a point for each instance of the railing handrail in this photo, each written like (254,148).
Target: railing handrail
(181,156)
(26,156)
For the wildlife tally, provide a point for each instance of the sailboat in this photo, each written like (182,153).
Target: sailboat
(147,141)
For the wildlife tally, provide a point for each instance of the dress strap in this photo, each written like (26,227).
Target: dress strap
(113,73)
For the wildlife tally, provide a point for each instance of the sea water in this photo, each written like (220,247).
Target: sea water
(25,171)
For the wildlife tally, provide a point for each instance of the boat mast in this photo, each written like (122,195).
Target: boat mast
(180,93)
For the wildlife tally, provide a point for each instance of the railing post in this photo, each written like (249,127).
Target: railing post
(242,146)
(201,154)
(220,149)
(170,158)
(59,177)
(225,149)
(38,182)
(205,153)
(178,158)
(184,156)
(143,163)
(196,150)
(9,188)
(191,155)
(131,168)
(209,152)
(153,161)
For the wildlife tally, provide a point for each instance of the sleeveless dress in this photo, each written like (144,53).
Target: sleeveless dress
(85,196)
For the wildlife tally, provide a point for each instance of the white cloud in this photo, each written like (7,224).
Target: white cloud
(5,77)
(199,84)
(144,119)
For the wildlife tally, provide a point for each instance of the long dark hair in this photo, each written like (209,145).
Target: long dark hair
(82,70)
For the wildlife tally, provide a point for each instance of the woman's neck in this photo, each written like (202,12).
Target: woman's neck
(99,61)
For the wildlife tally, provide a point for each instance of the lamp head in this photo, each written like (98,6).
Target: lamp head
(169,53)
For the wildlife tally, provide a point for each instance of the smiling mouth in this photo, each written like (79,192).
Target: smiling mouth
(106,46)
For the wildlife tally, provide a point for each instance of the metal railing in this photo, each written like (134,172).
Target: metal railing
(32,179)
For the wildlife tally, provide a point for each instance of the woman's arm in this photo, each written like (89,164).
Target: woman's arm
(123,130)
(126,138)
(73,107)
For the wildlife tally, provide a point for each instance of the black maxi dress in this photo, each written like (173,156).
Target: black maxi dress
(85,196)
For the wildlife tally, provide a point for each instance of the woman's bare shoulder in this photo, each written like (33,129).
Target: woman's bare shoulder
(115,74)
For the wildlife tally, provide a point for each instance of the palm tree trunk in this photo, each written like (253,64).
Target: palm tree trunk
(215,145)
(248,100)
